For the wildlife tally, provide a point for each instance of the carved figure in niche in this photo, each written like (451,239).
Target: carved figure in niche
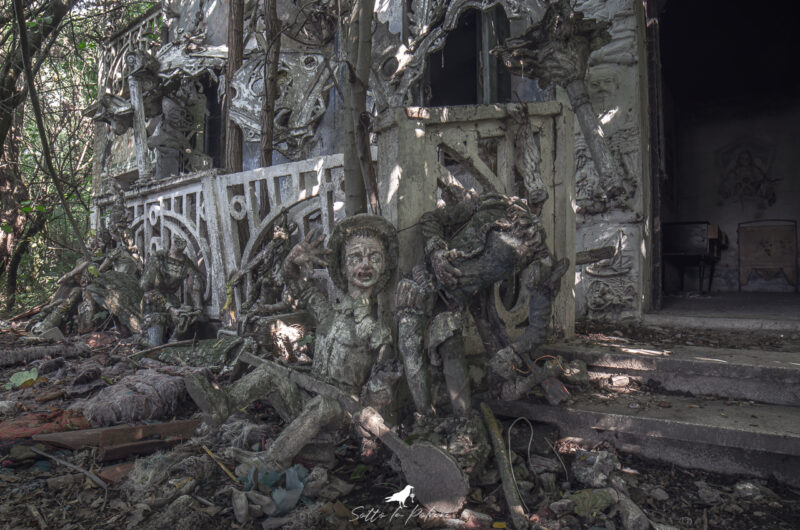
(471,244)
(528,161)
(182,112)
(165,273)
(556,49)
(609,297)
(745,178)
(187,24)
(352,348)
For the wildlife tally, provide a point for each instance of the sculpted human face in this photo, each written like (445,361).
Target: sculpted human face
(365,261)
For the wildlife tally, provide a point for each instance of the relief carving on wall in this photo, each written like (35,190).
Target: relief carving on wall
(304,81)
(595,195)
(610,290)
(609,89)
(744,169)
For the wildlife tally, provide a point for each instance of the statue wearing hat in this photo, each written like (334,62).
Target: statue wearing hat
(352,347)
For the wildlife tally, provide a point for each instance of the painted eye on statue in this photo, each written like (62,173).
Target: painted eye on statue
(374,258)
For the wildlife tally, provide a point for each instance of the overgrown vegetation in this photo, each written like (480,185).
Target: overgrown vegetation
(38,243)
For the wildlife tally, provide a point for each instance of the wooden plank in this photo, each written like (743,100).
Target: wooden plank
(120,434)
(115,474)
(144,447)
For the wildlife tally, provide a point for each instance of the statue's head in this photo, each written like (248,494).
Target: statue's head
(363,254)
(178,245)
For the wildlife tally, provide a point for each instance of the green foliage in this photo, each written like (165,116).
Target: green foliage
(66,82)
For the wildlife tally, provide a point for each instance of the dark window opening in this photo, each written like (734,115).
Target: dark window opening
(463,72)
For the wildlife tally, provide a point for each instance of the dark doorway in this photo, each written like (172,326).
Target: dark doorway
(726,126)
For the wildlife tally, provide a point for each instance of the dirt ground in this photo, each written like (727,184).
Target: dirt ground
(186,488)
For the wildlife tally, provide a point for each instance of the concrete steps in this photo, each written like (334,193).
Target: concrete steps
(755,439)
(764,376)
(738,411)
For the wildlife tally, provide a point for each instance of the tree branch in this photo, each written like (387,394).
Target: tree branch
(37,111)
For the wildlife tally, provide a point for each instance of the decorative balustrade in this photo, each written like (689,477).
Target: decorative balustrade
(226,219)
(143,32)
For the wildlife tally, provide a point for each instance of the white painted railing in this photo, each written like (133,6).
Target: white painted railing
(226,219)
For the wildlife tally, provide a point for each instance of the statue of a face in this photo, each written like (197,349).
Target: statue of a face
(365,261)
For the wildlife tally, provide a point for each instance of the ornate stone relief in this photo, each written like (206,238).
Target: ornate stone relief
(304,80)
(609,287)
(595,195)
(622,47)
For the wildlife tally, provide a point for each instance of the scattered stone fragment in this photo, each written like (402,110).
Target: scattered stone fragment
(540,464)
(476,519)
(590,501)
(266,504)
(89,372)
(576,373)
(593,468)
(569,522)
(548,482)
(65,481)
(659,494)
(620,380)
(240,510)
(747,490)
(633,518)
(707,494)
(315,482)
(52,334)
(8,407)
(562,507)
(52,365)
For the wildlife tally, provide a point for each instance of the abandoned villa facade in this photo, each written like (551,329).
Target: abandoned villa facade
(682,158)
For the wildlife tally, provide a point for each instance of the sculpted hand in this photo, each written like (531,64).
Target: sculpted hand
(446,273)
(301,259)
(412,294)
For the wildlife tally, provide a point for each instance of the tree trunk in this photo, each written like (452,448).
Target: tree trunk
(358,60)
(34,226)
(273,52)
(233,134)
(12,192)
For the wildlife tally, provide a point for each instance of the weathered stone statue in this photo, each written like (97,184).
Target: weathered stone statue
(352,348)
(116,288)
(71,297)
(164,275)
(471,244)
(266,292)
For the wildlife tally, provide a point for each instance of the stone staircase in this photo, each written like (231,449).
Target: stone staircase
(723,410)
